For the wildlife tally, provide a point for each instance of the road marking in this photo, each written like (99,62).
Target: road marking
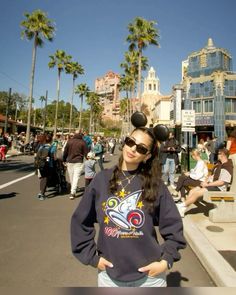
(16,180)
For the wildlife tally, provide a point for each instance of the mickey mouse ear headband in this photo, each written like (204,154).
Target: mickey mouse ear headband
(160,131)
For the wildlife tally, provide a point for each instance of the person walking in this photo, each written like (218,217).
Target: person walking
(43,162)
(170,157)
(74,153)
(89,168)
(98,151)
(127,201)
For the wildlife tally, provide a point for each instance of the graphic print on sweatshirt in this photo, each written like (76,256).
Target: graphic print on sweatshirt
(125,212)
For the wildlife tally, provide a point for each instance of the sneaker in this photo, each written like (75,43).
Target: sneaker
(173,186)
(176,196)
(41,197)
(72,196)
(182,209)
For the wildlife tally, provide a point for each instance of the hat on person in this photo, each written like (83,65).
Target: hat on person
(90,155)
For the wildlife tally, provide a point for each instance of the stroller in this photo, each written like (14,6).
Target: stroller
(57,179)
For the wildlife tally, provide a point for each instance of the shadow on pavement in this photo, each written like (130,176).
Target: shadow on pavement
(174,279)
(202,207)
(7,196)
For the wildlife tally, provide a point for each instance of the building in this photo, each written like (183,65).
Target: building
(209,88)
(107,88)
(155,105)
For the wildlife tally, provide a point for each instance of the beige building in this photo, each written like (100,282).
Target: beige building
(155,105)
(107,88)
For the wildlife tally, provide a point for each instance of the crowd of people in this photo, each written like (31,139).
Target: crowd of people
(131,198)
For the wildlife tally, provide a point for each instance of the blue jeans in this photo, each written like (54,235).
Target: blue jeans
(169,170)
(105,281)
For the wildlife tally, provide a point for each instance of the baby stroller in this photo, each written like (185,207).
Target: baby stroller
(57,180)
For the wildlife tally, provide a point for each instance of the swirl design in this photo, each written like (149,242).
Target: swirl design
(112,202)
(136,218)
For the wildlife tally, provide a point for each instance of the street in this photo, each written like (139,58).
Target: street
(35,236)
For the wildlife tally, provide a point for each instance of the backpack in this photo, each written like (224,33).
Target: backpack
(42,159)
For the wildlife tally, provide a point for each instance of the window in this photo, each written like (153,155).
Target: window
(149,86)
(197,106)
(208,106)
(155,87)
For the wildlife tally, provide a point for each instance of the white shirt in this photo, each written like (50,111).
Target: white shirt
(200,171)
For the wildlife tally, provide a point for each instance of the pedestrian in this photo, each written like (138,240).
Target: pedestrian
(88,140)
(231,143)
(218,181)
(73,156)
(89,168)
(98,151)
(43,162)
(211,146)
(171,148)
(127,201)
(192,178)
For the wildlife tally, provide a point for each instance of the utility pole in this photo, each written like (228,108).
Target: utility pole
(45,111)
(7,108)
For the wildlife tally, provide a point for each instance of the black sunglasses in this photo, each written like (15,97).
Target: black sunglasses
(139,147)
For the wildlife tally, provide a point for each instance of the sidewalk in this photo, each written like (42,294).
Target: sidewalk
(13,153)
(213,243)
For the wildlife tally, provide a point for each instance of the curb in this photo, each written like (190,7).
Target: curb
(217,267)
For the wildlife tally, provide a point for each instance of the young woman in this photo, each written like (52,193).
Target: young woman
(127,201)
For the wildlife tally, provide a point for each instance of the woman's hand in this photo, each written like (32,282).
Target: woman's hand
(103,263)
(155,268)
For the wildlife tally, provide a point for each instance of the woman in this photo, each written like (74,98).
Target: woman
(127,201)
(231,143)
(193,178)
(44,160)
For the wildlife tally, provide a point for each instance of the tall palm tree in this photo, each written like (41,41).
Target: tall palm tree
(92,100)
(142,34)
(130,66)
(74,69)
(83,90)
(60,60)
(37,27)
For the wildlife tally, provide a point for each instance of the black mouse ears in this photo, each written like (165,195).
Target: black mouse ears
(160,131)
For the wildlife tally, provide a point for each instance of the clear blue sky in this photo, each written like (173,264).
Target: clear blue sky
(94,33)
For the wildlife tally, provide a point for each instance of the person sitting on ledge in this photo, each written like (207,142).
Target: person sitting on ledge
(218,181)
(193,178)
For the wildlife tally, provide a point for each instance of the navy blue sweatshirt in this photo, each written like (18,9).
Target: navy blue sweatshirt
(127,236)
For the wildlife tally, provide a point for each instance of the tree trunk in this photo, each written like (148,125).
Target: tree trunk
(139,78)
(31,91)
(80,115)
(57,103)
(71,105)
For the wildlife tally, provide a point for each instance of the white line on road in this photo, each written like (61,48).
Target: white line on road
(16,180)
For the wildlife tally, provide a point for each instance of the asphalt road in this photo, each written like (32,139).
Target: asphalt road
(35,236)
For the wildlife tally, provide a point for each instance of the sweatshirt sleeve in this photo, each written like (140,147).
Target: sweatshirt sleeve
(171,228)
(83,232)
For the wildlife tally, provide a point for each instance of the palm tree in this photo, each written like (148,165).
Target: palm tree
(75,69)
(59,59)
(83,90)
(130,66)
(142,33)
(37,27)
(92,100)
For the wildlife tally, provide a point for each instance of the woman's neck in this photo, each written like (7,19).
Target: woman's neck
(129,167)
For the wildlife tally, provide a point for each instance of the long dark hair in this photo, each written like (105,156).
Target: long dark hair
(150,173)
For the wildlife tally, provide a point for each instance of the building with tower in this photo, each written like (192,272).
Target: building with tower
(209,88)
(107,88)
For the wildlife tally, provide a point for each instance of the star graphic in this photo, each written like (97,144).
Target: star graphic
(140,205)
(122,193)
(106,220)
